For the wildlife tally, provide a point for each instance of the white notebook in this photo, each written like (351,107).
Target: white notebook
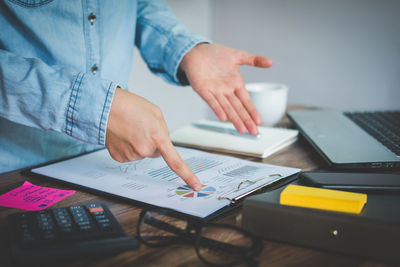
(271,139)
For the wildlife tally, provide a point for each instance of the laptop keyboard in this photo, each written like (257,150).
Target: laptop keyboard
(383,126)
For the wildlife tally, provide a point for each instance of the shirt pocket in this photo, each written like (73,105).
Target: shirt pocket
(31,3)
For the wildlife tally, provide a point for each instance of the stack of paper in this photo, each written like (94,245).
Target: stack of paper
(222,136)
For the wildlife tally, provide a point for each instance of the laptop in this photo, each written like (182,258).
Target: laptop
(352,140)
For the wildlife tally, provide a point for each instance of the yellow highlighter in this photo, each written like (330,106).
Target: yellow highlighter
(325,199)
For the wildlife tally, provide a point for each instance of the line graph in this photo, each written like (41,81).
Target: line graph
(195,164)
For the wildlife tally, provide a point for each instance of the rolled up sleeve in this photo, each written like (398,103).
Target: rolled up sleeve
(162,40)
(54,98)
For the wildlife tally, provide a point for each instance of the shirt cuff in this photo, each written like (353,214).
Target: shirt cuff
(88,108)
(176,49)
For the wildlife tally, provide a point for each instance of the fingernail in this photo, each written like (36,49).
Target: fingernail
(198,187)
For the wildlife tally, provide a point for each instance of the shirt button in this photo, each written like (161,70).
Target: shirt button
(92,18)
(94,69)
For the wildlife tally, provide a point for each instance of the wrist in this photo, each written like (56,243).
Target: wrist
(184,66)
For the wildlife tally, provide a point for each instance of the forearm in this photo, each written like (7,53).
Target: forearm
(54,98)
(162,39)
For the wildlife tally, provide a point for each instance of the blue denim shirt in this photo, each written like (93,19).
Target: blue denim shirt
(60,62)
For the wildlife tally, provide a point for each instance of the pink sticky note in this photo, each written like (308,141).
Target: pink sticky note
(32,197)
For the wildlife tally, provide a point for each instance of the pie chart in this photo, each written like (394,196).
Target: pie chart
(186,191)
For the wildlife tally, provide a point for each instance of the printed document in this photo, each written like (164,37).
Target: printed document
(151,180)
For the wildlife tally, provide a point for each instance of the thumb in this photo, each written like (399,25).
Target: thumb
(255,60)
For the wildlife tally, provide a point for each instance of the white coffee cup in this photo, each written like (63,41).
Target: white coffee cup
(270,100)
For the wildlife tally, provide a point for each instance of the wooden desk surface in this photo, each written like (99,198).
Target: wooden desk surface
(299,155)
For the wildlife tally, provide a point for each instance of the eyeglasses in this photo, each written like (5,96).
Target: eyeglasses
(215,244)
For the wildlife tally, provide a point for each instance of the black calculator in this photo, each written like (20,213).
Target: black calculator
(66,233)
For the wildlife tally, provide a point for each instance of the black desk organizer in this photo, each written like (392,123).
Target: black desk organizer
(373,234)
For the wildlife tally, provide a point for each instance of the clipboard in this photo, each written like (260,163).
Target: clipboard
(244,187)
(235,203)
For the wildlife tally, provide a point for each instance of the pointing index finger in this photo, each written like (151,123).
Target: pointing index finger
(177,165)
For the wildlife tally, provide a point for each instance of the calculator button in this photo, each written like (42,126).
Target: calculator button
(94,205)
(45,221)
(46,226)
(99,217)
(62,216)
(77,211)
(85,228)
(48,235)
(105,227)
(27,235)
(60,211)
(64,223)
(103,220)
(83,223)
(78,214)
(96,209)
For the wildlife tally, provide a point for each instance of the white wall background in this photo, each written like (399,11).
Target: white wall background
(180,105)
(341,54)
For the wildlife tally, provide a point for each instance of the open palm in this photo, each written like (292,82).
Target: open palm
(213,72)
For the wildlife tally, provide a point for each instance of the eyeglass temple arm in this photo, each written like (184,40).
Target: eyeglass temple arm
(209,242)
(224,246)
(163,225)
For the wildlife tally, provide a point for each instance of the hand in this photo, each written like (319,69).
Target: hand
(213,72)
(136,129)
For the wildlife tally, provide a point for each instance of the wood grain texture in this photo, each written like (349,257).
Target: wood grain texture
(299,155)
